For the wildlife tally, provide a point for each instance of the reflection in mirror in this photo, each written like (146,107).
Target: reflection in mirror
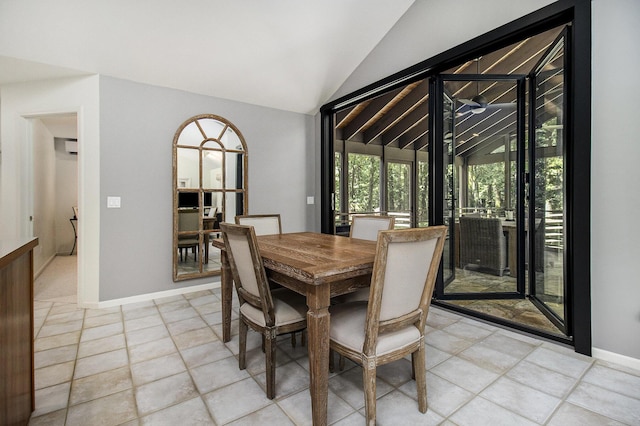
(210,186)
(212,166)
(187,168)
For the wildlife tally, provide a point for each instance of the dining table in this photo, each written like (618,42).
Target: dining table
(318,266)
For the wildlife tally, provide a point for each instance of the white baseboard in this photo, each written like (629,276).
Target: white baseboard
(623,360)
(150,296)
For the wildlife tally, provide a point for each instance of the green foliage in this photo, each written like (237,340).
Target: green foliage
(364,183)
(423,193)
(549,171)
(486,186)
(398,187)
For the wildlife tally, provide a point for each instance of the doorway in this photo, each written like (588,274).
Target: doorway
(504,189)
(54,200)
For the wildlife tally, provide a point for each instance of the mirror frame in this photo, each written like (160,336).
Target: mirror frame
(202,233)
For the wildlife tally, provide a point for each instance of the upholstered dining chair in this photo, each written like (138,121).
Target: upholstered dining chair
(266,224)
(391,325)
(188,220)
(366,227)
(263,224)
(268,312)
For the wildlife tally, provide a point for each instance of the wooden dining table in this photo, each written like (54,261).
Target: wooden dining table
(319,266)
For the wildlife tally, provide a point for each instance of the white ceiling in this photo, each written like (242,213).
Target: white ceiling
(285,54)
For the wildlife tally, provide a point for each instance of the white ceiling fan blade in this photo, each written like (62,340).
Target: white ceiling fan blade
(508,105)
(468,102)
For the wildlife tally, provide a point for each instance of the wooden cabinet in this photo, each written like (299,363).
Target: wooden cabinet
(16,331)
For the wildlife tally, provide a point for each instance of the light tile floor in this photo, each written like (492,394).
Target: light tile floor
(162,362)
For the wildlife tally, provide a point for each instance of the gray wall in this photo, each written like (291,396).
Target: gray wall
(137,125)
(426,30)
(615,202)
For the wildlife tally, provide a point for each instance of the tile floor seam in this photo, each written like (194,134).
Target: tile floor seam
(129,365)
(477,394)
(191,377)
(73,372)
(504,375)
(173,404)
(581,381)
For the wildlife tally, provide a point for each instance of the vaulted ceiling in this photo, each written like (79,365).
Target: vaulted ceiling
(399,118)
(285,54)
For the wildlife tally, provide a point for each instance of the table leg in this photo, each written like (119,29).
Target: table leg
(318,346)
(226,288)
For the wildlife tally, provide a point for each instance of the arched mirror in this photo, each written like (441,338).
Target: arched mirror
(209,187)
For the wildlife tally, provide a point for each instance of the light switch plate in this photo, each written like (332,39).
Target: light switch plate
(113,202)
(310,200)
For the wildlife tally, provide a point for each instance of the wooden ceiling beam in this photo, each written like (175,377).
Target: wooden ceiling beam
(358,124)
(342,115)
(414,117)
(418,95)
(414,134)
(422,142)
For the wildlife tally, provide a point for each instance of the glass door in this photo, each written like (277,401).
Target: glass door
(547,184)
(398,193)
(483,144)
(449,185)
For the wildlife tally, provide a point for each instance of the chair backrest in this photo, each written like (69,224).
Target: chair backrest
(188,220)
(366,227)
(482,242)
(263,224)
(477,227)
(404,274)
(484,235)
(247,268)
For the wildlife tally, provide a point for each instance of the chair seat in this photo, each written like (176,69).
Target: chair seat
(348,329)
(289,307)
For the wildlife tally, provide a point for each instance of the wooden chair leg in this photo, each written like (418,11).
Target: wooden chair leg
(340,362)
(242,344)
(413,366)
(332,366)
(270,360)
(418,361)
(293,339)
(369,382)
